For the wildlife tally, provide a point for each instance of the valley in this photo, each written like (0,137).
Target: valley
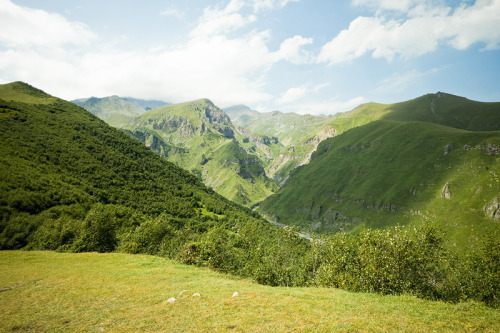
(393,202)
(433,159)
(250,166)
(245,158)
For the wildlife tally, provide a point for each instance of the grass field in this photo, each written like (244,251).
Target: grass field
(90,292)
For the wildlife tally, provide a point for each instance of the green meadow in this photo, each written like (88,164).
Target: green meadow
(90,292)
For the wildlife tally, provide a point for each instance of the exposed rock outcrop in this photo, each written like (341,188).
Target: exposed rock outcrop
(325,133)
(446,193)
(492,209)
(216,115)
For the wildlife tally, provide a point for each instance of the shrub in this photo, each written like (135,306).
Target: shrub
(98,230)
(384,261)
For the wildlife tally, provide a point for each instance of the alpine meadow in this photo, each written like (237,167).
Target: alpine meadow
(250,166)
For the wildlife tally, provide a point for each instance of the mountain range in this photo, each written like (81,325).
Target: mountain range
(433,158)
(242,154)
(71,182)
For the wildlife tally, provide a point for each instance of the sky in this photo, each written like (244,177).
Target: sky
(304,56)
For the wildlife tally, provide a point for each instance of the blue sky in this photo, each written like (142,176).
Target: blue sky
(305,56)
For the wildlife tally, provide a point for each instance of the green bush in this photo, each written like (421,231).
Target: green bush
(98,230)
(285,262)
(476,275)
(384,261)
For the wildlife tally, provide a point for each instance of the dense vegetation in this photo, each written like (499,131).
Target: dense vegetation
(72,183)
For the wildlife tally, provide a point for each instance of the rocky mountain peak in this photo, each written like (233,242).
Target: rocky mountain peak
(216,115)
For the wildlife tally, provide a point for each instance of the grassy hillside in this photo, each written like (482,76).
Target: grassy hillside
(200,137)
(45,291)
(59,154)
(439,108)
(388,172)
(296,137)
(449,110)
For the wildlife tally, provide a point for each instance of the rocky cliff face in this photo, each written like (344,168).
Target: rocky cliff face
(214,115)
(171,124)
(219,120)
(292,158)
(325,133)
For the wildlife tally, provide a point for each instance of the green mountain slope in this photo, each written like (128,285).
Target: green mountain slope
(117,111)
(200,137)
(69,181)
(449,110)
(439,108)
(294,137)
(388,172)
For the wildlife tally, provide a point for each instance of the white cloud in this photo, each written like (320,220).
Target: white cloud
(217,20)
(217,68)
(292,95)
(291,50)
(477,23)
(383,38)
(173,12)
(270,4)
(295,94)
(421,33)
(26,27)
(214,63)
(329,106)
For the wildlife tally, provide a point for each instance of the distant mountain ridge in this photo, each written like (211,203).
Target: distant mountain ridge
(295,136)
(115,110)
(255,157)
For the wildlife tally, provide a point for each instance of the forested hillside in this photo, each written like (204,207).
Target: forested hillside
(71,182)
